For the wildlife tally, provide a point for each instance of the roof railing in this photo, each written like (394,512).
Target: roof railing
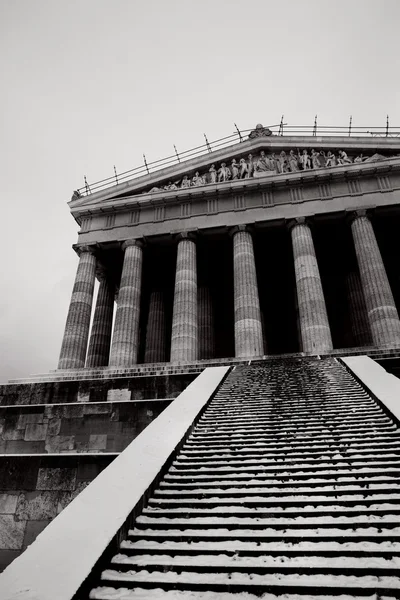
(238,136)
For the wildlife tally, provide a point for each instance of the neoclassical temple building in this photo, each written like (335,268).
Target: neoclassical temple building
(224,421)
(273,245)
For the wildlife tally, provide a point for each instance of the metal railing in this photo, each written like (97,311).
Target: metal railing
(239,136)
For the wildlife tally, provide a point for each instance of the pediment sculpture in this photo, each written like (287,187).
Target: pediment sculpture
(264,164)
(259,131)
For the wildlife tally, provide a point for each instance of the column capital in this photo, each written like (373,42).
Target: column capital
(81,248)
(243,227)
(291,223)
(139,242)
(357,214)
(186,235)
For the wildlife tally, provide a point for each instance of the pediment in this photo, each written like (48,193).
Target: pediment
(256,159)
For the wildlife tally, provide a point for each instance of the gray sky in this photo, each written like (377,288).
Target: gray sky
(92,83)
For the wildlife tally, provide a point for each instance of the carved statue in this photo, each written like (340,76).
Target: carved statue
(223,173)
(259,131)
(170,186)
(315,161)
(343,158)
(185,182)
(330,160)
(305,160)
(155,189)
(360,158)
(234,169)
(197,179)
(293,163)
(213,174)
(281,163)
(243,169)
(250,165)
(76,195)
(261,164)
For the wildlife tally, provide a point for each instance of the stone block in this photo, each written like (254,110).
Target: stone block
(54,427)
(53,411)
(35,432)
(98,442)
(83,397)
(8,503)
(26,418)
(11,533)
(32,530)
(118,395)
(66,497)
(56,479)
(6,558)
(18,473)
(13,434)
(73,412)
(59,443)
(37,506)
(103,408)
(23,447)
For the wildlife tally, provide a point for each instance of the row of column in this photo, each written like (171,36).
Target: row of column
(191,310)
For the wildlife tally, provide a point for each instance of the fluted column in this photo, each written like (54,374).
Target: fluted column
(184,318)
(314,324)
(358,311)
(125,342)
(76,333)
(206,324)
(100,337)
(247,316)
(155,350)
(381,309)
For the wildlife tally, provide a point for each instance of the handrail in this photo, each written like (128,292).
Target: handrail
(238,136)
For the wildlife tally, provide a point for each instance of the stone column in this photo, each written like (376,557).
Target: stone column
(381,309)
(76,333)
(358,311)
(184,317)
(314,324)
(206,324)
(125,342)
(155,350)
(247,315)
(100,338)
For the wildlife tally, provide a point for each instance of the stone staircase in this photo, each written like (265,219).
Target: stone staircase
(287,487)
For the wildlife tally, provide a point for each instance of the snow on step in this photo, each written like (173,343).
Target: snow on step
(235,561)
(263,547)
(251,580)
(108,593)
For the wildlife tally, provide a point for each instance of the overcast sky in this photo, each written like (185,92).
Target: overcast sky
(87,84)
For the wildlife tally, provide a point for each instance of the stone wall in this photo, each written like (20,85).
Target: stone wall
(33,490)
(56,437)
(75,427)
(95,390)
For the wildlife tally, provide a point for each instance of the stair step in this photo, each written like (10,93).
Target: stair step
(261,548)
(139,593)
(365,565)
(242,581)
(344,522)
(360,532)
(252,485)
